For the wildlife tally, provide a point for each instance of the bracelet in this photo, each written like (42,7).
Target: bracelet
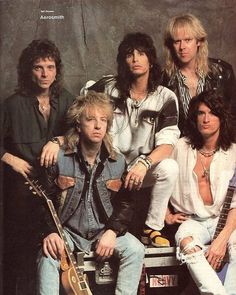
(144,163)
(147,161)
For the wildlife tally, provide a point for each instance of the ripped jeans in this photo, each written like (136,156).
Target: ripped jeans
(206,279)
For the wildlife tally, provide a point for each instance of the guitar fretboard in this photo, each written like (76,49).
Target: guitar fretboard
(70,254)
(224,211)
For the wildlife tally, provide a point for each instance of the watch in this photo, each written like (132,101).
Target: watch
(55,140)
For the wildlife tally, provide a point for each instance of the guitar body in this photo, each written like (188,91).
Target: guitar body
(73,280)
(72,285)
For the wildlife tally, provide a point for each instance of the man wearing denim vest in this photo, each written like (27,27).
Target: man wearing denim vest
(93,207)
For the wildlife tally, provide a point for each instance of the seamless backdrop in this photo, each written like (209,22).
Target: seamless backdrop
(88,33)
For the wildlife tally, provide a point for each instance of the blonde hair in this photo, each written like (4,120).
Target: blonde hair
(80,105)
(194,26)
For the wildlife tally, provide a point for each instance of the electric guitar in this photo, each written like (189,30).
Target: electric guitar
(224,214)
(72,278)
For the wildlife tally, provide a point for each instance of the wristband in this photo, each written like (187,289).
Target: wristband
(55,140)
(144,163)
(147,161)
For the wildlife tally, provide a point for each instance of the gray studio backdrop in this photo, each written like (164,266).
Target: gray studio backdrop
(88,32)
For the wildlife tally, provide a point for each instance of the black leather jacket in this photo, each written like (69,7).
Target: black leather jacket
(220,77)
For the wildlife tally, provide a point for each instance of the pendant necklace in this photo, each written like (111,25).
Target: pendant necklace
(205,154)
(136,103)
(206,172)
(44,107)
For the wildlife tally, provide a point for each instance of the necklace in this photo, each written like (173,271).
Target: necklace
(44,103)
(144,92)
(44,107)
(137,96)
(207,153)
(206,171)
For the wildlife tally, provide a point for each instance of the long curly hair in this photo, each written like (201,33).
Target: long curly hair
(37,49)
(143,43)
(192,25)
(216,103)
(91,100)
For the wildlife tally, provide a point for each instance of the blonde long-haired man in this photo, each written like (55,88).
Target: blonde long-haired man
(96,210)
(188,69)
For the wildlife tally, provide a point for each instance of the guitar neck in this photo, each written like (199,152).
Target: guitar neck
(62,234)
(224,211)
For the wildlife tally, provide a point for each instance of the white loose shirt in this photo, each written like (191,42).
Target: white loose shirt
(144,125)
(186,197)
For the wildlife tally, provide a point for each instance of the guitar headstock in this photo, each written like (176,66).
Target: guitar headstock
(35,188)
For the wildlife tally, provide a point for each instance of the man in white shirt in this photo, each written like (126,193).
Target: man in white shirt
(144,127)
(206,159)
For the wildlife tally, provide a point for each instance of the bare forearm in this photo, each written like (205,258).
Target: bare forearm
(160,153)
(19,165)
(8,158)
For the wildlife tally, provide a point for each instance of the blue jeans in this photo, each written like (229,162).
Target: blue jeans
(129,251)
(202,232)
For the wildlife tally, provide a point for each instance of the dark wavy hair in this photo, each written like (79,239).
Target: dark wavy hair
(41,48)
(143,43)
(214,101)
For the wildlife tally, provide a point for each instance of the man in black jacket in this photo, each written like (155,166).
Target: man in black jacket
(32,125)
(93,208)
(188,70)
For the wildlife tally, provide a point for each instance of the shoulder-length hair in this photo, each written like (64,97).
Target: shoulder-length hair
(141,42)
(216,103)
(91,100)
(192,25)
(37,49)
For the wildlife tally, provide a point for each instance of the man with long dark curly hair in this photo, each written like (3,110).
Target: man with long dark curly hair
(206,159)
(32,128)
(144,126)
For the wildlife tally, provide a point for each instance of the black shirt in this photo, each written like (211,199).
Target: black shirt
(24,130)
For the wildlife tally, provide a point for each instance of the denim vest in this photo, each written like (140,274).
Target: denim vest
(73,178)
